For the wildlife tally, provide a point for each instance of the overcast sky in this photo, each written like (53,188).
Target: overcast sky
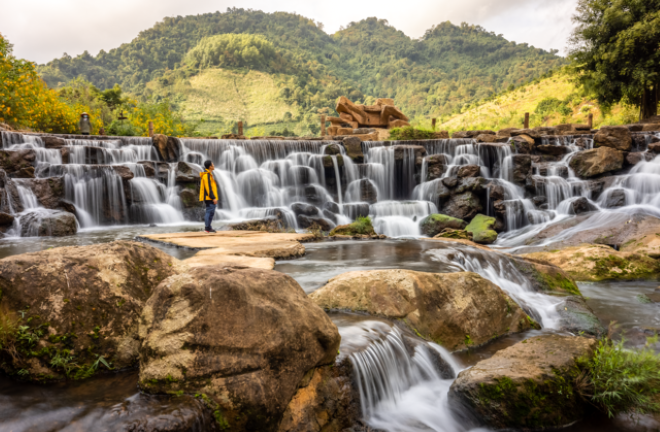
(42,30)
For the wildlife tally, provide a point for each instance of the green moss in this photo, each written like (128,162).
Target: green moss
(634,266)
(362,226)
(482,230)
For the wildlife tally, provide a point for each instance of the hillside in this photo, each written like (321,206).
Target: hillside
(449,67)
(550,101)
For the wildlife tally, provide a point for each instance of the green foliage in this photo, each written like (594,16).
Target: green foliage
(362,226)
(625,381)
(553,105)
(233,50)
(615,51)
(410,133)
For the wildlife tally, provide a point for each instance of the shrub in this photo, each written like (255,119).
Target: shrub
(625,381)
(410,133)
(362,226)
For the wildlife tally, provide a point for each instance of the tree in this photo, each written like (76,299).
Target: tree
(616,52)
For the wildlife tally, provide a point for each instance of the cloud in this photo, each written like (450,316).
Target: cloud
(42,30)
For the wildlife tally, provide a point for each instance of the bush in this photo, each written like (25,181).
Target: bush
(362,226)
(625,381)
(410,133)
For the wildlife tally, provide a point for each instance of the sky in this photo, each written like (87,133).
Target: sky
(42,30)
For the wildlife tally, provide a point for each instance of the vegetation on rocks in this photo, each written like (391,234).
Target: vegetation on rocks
(362,226)
(481,227)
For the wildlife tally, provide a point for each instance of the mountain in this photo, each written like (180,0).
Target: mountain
(306,69)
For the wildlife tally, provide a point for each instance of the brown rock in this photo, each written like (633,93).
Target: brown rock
(654,147)
(6,219)
(149,169)
(17,161)
(616,137)
(469,171)
(590,163)
(246,338)
(353,146)
(651,127)
(124,172)
(514,379)
(441,135)
(86,299)
(487,138)
(443,307)
(47,223)
(51,142)
(463,206)
(555,150)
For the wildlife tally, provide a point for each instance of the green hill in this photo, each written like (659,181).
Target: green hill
(302,68)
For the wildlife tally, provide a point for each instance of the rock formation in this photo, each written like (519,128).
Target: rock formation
(355,119)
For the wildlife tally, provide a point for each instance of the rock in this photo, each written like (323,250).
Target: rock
(450,182)
(456,310)
(581,205)
(401,152)
(332,149)
(314,222)
(268,224)
(18,162)
(434,224)
(356,210)
(462,206)
(578,318)
(357,228)
(436,167)
(615,198)
(554,150)
(304,209)
(528,386)
(487,138)
(633,158)
(532,133)
(160,142)
(506,133)
(85,299)
(495,191)
(545,277)
(353,146)
(472,134)
(51,142)
(539,199)
(482,229)
(616,137)
(186,173)
(651,127)
(454,234)
(546,169)
(590,163)
(654,148)
(247,348)
(522,145)
(469,171)
(329,162)
(124,172)
(327,214)
(363,190)
(41,222)
(189,198)
(332,207)
(522,166)
(149,169)
(6,220)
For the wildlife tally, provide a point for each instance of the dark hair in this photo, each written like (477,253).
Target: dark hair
(207,164)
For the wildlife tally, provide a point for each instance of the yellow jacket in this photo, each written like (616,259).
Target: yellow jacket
(208,189)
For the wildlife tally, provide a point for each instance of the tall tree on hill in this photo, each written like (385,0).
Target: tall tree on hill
(616,52)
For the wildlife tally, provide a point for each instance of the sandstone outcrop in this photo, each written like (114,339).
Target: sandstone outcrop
(529,386)
(590,163)
(456,310)
(616,137)
(242,339)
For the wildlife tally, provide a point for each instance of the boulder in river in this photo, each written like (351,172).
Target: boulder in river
(456,310)
(353,146)
(450,233)
(41,222)
(528,386)
(436,167)
(581,205)
(469,171)
(590,163)
(463,206)
(363,190)
(434,224)
(241,339)
(73,306)
(304,209)
(483,229)
(18,163)
(616,137)
(522,165)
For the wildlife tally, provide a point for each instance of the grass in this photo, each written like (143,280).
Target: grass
(362,226)
(508,110)
(625,381)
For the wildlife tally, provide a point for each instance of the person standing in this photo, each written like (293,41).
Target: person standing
(208,192)
(84,124)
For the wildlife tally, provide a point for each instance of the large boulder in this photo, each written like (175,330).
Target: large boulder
(186,173)
(242,339)
(436,167)
(616,137)
(304,209)
(457,310)
(434,224)
(463,206)
(362,190)
(469,171)
(169,148)
(18,163)
(73,306)
(483,229)
(581,205)
(41,222)
(353,146)
(528,386)
(590,163)
(521,168)
(49,191)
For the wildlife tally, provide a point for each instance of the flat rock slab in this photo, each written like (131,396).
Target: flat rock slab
(209,257)
(237,243)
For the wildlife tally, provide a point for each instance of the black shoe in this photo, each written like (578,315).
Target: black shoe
(211,231)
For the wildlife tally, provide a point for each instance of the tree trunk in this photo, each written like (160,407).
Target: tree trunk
(650,100)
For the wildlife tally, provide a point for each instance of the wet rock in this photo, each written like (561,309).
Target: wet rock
(522,166)
(483,229)
(357,228)
(615,198)
(486,138)
(353,146)
(332,207)
(186,173)
(315,194)
(528,386)
(495,191)
(304,209)
(463,206)
(434,224)
(169,148)
(539,199)
(85,299)
(616,137)
(450,182)
(581,205)
(437,165)
(456,310)
(469,171)
(43,222)
(6,220)
(332,149)
(633,158)
(314,222)
(149,169)
(356,210)
(189,198)
(401,152)
(554,150)
(330,216)
(124,172)
(590,163)
(268,224)
(473,184)
(578,318)
(329,162)
(366,191)
(68,206)
(248,348)
(581,142)
(51,142)
(654,148)
(454,234)
(17,163)
(472,133)
(546,169)
(544,276)
(522,145)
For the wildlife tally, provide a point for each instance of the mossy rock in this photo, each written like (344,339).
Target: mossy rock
(546,277)
(362,226)
(434,224)
(455,234)
(482,229)
(577,317)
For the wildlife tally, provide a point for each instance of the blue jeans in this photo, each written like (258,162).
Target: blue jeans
(208,217)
